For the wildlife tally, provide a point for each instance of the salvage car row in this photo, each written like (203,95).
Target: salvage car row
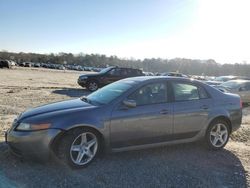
(231,84)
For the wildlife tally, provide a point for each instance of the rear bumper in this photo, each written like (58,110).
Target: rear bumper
(35,144)
(236,119)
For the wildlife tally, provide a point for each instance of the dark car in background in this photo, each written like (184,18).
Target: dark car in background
(175,74)
(106,76)
(6,63)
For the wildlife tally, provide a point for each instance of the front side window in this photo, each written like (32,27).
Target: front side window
(150,94)
(185,92)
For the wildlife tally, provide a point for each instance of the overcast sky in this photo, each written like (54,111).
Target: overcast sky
(217,29)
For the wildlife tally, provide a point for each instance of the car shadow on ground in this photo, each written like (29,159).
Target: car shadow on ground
(72,92)
(186,165)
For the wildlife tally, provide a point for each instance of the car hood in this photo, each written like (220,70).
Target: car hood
(59,106)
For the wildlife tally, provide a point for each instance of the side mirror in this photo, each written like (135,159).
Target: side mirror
(129,103)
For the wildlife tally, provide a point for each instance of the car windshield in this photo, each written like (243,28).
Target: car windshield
(231,84)
(108,93)
(106,70)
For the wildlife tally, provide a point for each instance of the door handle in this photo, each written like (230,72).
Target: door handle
(205,107)
(164,112)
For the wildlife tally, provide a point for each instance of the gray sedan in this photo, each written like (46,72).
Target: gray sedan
(129,114)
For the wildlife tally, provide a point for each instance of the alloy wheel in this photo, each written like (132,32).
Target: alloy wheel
(218,135)
(84,148)
(93,86)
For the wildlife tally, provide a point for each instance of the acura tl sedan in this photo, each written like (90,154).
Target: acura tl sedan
(133,113)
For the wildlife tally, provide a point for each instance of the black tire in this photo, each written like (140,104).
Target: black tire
(92,85)
(211,130)
(64,152)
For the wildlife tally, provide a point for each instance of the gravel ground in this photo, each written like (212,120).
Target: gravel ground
(185,165)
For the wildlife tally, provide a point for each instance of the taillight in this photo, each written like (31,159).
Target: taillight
(241,104)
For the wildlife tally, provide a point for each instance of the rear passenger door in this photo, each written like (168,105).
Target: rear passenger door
(191,108)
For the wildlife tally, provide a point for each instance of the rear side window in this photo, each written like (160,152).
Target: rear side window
(124,72)
(133,72)
(188,92)
(115,72)
(130,72)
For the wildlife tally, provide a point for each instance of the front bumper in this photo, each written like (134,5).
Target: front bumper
(82,82)
(28,144)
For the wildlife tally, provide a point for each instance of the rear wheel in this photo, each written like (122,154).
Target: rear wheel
(92,85)
(79,148)
(217,134)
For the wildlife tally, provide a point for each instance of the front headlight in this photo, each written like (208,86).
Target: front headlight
(33,127)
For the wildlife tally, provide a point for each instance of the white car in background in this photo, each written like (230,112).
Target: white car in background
(240,87)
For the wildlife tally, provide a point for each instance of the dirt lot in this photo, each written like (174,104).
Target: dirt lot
(186,165)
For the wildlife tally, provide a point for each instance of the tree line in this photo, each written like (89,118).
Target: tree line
(186,66)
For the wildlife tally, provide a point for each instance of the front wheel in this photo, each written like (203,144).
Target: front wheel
(92,85)
(217,134)
(79,148)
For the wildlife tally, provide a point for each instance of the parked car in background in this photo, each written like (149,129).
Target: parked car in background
(240,87)
(106,76)
(175,74)
(224,78)
(27,64)
(133,113)
(6,63)
(221,79)
(21,64)
(148,73)
(212,83)
(37,64)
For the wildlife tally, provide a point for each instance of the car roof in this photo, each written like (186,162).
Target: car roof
(146,78)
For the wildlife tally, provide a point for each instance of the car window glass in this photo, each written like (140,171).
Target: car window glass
(185,92)
(150,94)
(202,93)
(124,72)
(115,72)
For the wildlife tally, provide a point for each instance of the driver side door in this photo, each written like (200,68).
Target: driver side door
(151,121)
